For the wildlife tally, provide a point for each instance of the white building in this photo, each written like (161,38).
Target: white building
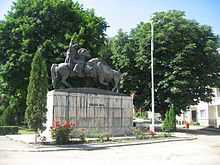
(206,114)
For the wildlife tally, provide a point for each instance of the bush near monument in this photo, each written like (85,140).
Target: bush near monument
(61,133)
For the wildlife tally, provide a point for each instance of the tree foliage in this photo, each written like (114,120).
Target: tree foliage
(186,63)
(35,114)
(47,23)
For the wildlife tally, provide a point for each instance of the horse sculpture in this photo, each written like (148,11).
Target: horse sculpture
(93,68)
(98,69)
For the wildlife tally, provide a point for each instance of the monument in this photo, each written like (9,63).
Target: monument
(88,108)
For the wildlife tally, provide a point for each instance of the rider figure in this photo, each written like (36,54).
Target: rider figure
(81,59)
(76,57)
(70,55)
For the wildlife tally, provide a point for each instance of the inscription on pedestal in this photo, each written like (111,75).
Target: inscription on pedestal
(96,105)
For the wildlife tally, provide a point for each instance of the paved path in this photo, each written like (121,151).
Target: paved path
(6,143)
(204,151)
(124,141)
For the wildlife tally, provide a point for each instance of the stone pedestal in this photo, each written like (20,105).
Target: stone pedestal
(91,109)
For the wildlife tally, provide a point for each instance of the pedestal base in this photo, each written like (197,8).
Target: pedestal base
(91,110)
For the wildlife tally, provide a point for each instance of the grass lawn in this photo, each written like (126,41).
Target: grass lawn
(23,130)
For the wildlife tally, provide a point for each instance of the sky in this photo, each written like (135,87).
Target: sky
(126,14)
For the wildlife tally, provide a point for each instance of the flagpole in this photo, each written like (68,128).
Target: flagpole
(152,129)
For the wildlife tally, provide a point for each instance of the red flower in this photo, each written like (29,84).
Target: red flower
(56,124)
(67,124)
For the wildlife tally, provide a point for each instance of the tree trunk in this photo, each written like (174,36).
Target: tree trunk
(162,113)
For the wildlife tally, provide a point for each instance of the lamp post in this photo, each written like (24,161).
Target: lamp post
(152,129)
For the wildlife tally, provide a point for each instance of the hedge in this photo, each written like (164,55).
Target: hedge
(8,130)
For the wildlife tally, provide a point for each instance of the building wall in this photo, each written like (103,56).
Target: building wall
(202,114)
(208,114)
(218,116)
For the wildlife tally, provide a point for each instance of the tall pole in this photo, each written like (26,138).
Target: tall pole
(152,75)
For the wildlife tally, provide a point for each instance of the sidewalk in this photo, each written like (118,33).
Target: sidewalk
(198,127)
(124,141)
(199,130)
(212,129)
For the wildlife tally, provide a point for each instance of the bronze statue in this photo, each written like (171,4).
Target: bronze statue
(78,64)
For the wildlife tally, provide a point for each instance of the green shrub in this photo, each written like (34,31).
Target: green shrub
(139,134)
(74,133)
(79,133)
(5,130)
(96,133)
(141,114)
(166,134)
(169,124)
(93,133)
(104,137)
(82,135)
(61,135)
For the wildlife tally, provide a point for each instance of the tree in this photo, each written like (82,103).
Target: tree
(49,24)
(123,59)
(35,114)
(169,124)
(186,63)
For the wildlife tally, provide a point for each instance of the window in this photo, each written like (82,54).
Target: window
(202,114)
(217,92)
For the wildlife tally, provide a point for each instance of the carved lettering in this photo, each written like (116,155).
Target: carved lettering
(96,105)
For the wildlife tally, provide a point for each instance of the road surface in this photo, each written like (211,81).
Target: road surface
(203,151)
